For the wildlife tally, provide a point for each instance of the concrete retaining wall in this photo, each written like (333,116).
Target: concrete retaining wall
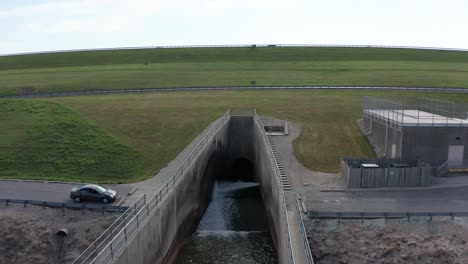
(271,191)
(176,218)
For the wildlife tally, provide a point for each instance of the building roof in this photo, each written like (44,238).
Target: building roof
(415,118)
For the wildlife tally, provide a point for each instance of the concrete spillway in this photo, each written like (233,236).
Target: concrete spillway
(237,139)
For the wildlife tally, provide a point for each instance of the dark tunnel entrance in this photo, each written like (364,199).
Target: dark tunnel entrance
(242,170)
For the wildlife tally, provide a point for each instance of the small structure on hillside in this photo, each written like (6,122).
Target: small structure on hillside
(431,130)
(275,127)
(378,173)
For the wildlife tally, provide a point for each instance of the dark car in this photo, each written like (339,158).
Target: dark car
(93,193)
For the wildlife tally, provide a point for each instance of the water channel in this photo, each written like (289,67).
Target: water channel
(233,229)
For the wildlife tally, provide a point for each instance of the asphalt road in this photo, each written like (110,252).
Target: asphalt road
(453,199)
(50,192)
(180,89)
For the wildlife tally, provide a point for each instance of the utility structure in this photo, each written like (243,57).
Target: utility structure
(434,131)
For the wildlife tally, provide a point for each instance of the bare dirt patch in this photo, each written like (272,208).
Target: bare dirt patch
(29,235)
(397,241)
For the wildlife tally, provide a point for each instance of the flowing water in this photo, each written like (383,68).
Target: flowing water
(233,230)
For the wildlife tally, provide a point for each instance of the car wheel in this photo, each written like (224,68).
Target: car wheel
(105,200)
(77,199)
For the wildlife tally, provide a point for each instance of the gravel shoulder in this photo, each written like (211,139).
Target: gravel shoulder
(29,234)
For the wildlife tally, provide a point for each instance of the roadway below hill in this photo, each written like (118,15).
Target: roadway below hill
(181,89)
(48,191)
(454,199)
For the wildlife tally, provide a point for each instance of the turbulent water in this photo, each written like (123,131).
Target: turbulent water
(233,230)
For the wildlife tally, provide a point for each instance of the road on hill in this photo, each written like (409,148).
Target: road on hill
(181,89)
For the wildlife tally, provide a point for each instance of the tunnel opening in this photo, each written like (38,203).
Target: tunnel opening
(240,169)
(243,170)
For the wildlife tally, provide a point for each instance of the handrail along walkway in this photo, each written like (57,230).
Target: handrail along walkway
(260,125)
(114,240)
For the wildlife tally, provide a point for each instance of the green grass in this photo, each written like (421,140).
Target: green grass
(160,125)
(129,137)
(121,69)
(44,140)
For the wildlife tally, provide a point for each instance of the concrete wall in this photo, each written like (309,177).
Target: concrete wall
(177,217)
(271,189)
(247,141)
(431,143)
(419,142)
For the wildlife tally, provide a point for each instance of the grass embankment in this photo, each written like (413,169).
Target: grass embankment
(182,67)
(161,124)
(148,130)
(44,140)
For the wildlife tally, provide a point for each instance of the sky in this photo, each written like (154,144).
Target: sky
(46,25)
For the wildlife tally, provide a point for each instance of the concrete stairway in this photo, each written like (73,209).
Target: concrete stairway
(283,176)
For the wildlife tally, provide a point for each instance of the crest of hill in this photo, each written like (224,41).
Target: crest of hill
(227,54)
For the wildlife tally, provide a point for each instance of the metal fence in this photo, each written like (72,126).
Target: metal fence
(284,210)
(73,206)
(114,240)
(381,215)
(416,111)
(305,242)
(390,173)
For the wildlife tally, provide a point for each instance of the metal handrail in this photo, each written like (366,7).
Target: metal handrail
(305,241)
(374,215)
(260,126)
(73,206)
(114,239)
(442,169)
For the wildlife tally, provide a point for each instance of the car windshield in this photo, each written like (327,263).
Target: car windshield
(100,189)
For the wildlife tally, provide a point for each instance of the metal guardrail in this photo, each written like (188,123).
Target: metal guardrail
(418,112)
(114,240)
(376,215)
(305,241)
(260,126)
(449,165)
(74,206)
(442,169)
(457,164)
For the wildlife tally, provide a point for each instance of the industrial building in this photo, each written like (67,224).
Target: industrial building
(424,129)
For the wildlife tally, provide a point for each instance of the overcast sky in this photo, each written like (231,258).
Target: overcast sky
(41,25)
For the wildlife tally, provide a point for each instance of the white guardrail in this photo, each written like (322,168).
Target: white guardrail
(113,241)
(260,125)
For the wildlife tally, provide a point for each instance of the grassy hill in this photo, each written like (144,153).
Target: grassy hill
(45,140)
(128,137)
(189,67)
(125,138)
